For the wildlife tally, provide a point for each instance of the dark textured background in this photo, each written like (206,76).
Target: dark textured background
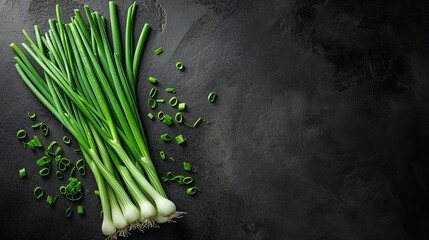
(320,131)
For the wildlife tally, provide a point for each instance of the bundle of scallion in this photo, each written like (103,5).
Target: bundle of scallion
(90,88)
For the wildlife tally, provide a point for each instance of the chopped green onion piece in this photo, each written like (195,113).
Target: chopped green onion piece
(173,101)
(170,175)
(69,212)
(56,199)
(49,200)
(31,115)
(77,150)
(150,116)
(212,97)
(73,191)
(152,103)
(72,171)
(182,106)
(22,172)
(171,159)
(80,163)
(80,209)
(153,92)
(167,120)
(87,191)
(60,175)
(45,130)
(160,115)
(159,51)
(36,141)
(197,122)
(180,66)
(97,193)
(81,171)
(62,163)
(178,117)
(187,166)
(152,80)
(58,151)
(80,166)
(178,179)
(170,90)
(50,146)
(37,125)
(63,190)
(44,171)
(166,137)
(43,160)
(162,154)
(164,179)
(160,100)
(66,140)
(206,121)
(187,180)
(38,192)
(189,125)
(21,134)
(30,145)
(180,139)
(192,190)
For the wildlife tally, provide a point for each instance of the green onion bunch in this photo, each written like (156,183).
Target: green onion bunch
(89,85)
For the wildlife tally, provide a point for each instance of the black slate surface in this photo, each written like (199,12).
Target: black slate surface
(320,130)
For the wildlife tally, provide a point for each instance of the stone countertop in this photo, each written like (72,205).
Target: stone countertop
(320,129)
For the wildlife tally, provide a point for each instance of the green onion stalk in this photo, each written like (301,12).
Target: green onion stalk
(90,88)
